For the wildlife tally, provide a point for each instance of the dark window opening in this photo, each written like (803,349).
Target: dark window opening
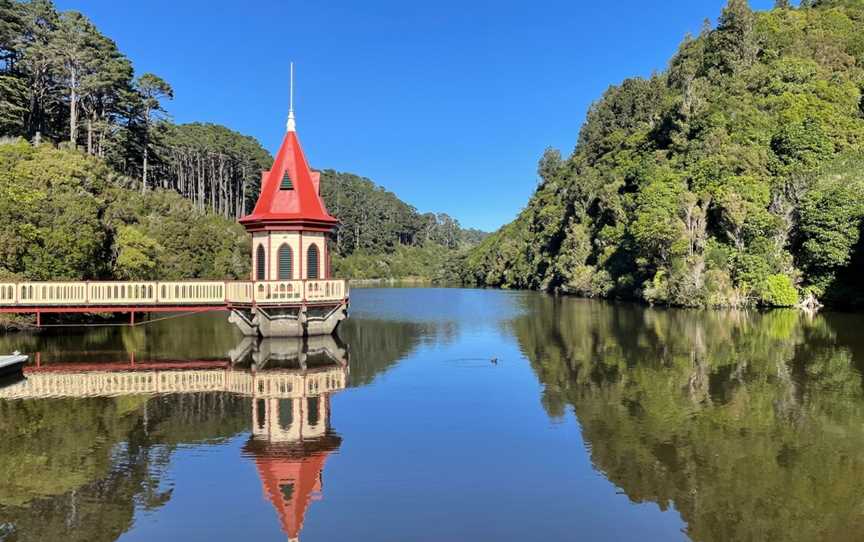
(286,184)
(312,262)
(260,263)
(285,262)
(287,491)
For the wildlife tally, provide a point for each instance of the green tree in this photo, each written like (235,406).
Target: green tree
(152,89)
(136,254)
(74,51)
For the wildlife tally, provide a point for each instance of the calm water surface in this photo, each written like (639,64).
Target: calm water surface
(595,422)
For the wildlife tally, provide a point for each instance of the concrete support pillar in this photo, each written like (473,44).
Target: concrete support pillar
(246,325)
(287,321)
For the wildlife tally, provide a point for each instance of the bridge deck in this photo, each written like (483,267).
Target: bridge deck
(149,296)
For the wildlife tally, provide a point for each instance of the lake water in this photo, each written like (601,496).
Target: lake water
(442,414)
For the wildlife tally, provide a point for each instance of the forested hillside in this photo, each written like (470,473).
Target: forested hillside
(381,236)
(733,178)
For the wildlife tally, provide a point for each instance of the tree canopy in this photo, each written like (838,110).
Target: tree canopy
(62,80)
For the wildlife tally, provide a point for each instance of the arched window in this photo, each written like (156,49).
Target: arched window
(286,262)
(312,262)
(260,263)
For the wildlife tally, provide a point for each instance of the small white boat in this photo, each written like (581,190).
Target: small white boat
(12,364)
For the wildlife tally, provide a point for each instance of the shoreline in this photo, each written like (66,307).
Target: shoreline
(377,282)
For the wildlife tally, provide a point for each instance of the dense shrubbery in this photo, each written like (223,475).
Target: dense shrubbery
(733,178)
(66,217)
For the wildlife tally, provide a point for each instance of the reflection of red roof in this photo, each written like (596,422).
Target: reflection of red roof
(291,484)
(299,206)
(290,474)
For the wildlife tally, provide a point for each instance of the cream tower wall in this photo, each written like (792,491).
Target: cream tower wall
(271,241)
(270,425)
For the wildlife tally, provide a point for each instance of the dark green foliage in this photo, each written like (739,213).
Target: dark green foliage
(830,218)
(61,79)
(374,219)
(381,236)
(428,262)
(184,242)
(729,179)
(215,167)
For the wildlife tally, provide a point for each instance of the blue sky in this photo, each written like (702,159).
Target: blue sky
(449,104)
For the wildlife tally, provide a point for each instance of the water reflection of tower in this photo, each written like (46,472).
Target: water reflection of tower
(291,435)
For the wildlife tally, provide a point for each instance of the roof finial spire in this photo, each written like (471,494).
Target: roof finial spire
(292,125)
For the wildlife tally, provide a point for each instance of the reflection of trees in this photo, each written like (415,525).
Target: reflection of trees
(378,345)
(750,424)
(203,336)
(196,417)
(82,466)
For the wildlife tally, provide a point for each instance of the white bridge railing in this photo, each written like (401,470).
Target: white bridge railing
(106,294)
(279,384)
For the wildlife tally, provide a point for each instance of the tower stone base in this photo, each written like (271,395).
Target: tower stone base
(288,321)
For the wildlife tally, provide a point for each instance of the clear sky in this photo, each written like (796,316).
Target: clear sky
(449,104)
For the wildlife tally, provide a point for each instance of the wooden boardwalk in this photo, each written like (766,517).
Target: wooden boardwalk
(149,296)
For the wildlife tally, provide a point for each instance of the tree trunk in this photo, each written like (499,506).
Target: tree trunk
(90,136)
(144,178)
(73,113)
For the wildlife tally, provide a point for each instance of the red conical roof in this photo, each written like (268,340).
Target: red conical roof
(289,193)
